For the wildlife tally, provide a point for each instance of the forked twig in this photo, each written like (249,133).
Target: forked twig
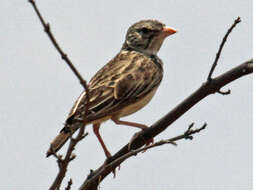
(209,78)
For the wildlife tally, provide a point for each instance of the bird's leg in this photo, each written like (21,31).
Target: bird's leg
(96,131)
(107,153)
(132,124)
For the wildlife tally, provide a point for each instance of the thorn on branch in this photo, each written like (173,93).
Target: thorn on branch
(171,142)
(70,182)
(187,133)
(64,56)
(238,20)
(227,92)
(73,156)
(90,174)
(83,136)
(47,28)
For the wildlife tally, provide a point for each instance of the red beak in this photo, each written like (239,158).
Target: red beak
(167,31)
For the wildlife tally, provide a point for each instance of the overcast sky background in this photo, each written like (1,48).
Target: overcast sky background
(38,90)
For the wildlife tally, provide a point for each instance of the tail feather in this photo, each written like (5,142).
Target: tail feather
(58,142)
(62,137)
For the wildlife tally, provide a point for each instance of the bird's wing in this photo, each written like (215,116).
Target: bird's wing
(125,79)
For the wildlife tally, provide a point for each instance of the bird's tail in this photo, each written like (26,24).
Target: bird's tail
(61,138)
(58,142)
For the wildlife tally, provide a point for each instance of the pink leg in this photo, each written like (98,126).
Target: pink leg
(131,124)
(96,131)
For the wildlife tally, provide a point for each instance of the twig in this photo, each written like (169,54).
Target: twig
(209,78)
(69,184)
(64,56)
(186,135)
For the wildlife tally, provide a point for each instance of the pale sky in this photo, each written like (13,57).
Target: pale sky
(38,90)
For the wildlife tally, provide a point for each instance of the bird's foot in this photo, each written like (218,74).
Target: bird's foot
(108,160)
(138,135)
(148,142)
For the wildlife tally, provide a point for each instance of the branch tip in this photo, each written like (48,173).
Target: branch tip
(191,125)
(73,156)
(84,135)
(172,142)
(237,20)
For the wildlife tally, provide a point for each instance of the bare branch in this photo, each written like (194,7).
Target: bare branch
(64,56)
(221,46)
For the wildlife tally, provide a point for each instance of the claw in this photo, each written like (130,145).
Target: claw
(148,142)
(107,161)
(136,135)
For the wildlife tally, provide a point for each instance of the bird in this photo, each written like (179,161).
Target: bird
(123,86)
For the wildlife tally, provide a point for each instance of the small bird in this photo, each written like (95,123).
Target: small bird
(123,86)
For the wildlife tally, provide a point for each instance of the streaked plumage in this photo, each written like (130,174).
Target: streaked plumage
(124,85)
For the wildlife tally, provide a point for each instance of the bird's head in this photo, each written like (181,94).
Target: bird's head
(147,36)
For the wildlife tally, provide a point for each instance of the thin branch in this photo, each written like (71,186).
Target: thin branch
(63,163)
(220,48)
(64,56)
(186,135)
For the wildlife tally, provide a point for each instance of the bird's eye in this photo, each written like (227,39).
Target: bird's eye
(145,30)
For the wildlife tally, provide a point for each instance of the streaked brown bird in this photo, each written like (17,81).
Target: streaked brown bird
(123,86)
